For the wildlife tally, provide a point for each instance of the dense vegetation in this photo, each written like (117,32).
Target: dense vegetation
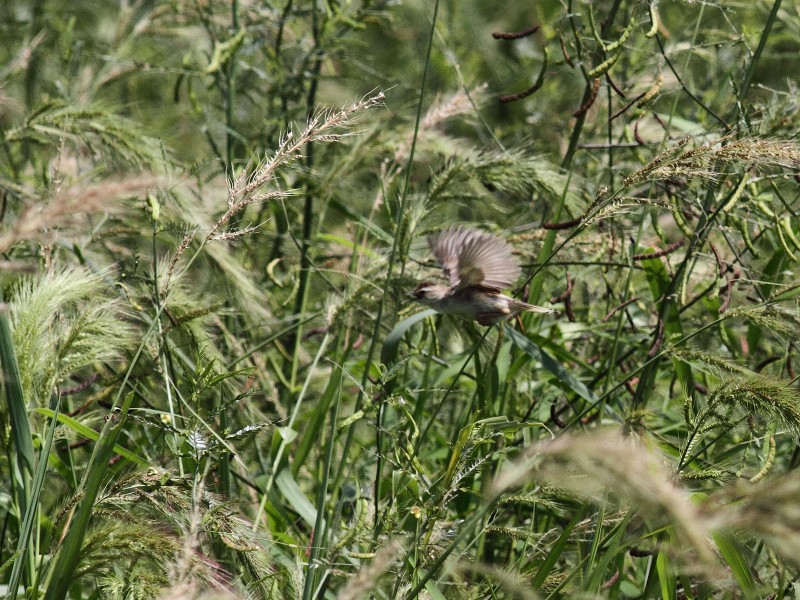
(215,385)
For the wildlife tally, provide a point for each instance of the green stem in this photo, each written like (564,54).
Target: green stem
(308,208)
(401,210)
(751,68)
(320,533)
(230,96)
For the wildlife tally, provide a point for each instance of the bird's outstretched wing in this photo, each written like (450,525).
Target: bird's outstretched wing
(472,257)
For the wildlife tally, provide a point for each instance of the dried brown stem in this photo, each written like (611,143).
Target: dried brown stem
(499,35)
(618,308)
(668,250)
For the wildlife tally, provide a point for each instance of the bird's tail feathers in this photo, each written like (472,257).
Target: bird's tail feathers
(521,306)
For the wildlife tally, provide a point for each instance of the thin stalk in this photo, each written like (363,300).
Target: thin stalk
(308,207)
(389,272)
(634,372)
(34,70)
(32,513)
(282,448)
(23,466)
(320,534)
(751,68)
(577,129)
(669,302)
(398,235)
(621,318)
(230,96)
(164,351)
(685,89)
(464,530)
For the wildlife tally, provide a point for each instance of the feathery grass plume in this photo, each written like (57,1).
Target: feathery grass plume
(62,322)
(175,530)
(21,60)
(711,361)
(783,322)
(702,161)
(757,152)
(248,189)
(228,272)
(769,510)
(510,580)
(620,205)
(142,548)
(328,126)
(780,289)
(190,591)
(191,306)
(40,220)
(604,463)
(367,577)
(511,172)
(111,139)
(442,109)
(773,399)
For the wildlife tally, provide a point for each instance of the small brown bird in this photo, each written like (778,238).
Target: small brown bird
(479,266)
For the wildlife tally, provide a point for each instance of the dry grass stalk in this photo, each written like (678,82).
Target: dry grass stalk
(769,510)
(323,127)
(605,463)
(38,220)
(244,190)
(703,161)
(366,578)
(509,580)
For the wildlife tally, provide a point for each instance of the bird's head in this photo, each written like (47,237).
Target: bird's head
(429,293)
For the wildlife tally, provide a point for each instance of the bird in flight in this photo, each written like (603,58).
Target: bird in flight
(478,266)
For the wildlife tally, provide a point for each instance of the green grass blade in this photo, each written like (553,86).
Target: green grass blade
(312,432)
(33,508)
(556,551)
(20,432)
(536,353)
(20,428)
(69,554)
(666,577)
(295,497)
(729,549)
(90,434)
(391,344)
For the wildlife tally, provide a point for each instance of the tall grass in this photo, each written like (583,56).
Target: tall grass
(214,386)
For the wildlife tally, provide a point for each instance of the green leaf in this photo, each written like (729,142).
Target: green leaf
(295,497)
(392,342)
(70,551)
(349,244)
(32,512)
(690,128)
(666,577)
(24,458)
(20,429)
(537,353)
(729,549)
(434,591)
(312,432)
(556,550)
(90,434)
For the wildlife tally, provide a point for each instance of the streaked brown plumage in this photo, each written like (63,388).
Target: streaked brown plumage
(478,266)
